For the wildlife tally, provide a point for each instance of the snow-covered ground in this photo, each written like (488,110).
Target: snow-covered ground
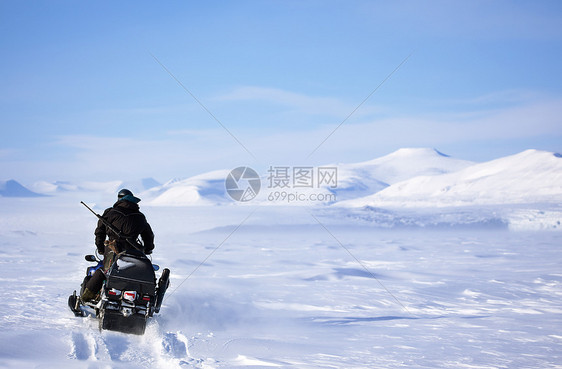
(295,287)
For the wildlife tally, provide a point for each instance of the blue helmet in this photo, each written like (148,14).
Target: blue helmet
(123,192)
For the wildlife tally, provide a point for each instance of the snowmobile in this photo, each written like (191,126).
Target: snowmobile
(129,295)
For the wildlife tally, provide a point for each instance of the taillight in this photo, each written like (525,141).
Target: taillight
(146,298)
(114,292)
(130,295)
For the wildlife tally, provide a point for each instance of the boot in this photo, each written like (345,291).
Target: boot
(87,295)
(92,286)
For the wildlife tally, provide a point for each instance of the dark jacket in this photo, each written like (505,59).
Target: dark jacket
(126,217)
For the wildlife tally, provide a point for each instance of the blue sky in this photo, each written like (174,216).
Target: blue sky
(83,98)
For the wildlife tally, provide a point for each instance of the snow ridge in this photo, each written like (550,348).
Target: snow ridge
(410,177)
(531,176)
(12,188)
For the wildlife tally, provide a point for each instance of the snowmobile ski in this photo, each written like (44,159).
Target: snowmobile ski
(74,305)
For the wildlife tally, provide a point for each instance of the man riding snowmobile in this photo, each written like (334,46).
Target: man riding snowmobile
(121,290)
(125,217)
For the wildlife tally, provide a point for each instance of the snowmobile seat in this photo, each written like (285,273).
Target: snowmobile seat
(132,272)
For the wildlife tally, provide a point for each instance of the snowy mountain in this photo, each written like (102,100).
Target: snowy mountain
(365,178)
(406,177)
(354,180)
(528,177)
(65,186)
(93,186)
(203,189)
(12,188)
(141,185)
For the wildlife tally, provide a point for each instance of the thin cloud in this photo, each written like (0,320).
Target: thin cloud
(519,122)
(305,104)
(126,157)
(504,98)
(182,153)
